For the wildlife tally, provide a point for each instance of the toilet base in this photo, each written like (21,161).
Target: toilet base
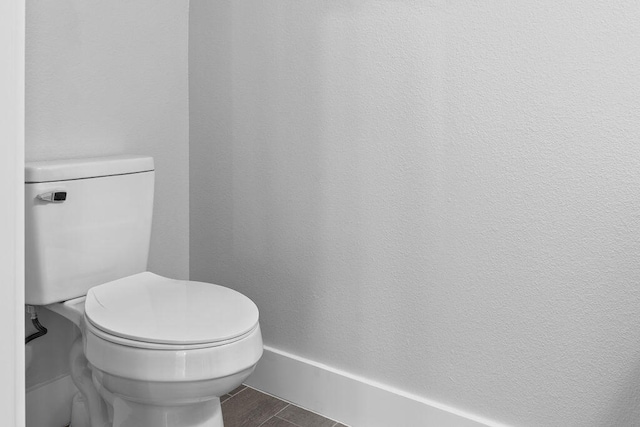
(79,414)
(133,403)
(132,414)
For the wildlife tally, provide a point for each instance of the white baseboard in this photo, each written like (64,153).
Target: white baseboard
(350,399)
(339,395)
(49,405)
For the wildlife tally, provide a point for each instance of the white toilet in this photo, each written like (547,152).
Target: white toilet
(154,352)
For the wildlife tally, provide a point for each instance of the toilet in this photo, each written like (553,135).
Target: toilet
(153,351)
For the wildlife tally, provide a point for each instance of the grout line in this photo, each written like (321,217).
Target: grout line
(335,423)
(275,415)
(292,404)
(234,395)
(262,423)
(286,406)
(238,391)
(288,403)
(231,396)
(289,421)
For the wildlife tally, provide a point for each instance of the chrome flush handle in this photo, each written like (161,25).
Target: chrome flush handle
(57,196)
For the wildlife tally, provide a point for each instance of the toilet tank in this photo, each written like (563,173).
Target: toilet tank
(87,222)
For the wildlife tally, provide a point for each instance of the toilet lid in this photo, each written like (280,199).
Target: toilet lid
(154,309)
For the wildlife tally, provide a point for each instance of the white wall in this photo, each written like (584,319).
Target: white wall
(110,77)
(438,195)
(104,78)
(12,211)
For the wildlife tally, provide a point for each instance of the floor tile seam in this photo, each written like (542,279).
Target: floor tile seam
(245,387)
(305,409)
(285,407)
(234,395)
(231,396)
(274,416)
(335,423)
(289,421)
(262,423)
(293,404)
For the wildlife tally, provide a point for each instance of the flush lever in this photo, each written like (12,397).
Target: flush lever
(57,196)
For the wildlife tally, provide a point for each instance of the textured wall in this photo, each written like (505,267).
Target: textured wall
(104,78)
(110,77)
(438,195)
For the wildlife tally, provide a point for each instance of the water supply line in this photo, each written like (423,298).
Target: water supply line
(33,311)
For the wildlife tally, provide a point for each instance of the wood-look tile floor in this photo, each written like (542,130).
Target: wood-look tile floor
(247,407)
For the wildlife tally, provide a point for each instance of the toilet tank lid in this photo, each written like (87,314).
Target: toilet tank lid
(64,170)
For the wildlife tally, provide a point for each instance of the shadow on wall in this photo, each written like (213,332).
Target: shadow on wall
(49,354)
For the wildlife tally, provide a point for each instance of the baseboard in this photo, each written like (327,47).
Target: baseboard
(350,399)
(49,405)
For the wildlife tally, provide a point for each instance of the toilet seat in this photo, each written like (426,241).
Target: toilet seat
(153,312)
(89,327)
(172,363)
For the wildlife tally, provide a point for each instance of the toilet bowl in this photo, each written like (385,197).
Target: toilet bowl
(163,360)
(153,351)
